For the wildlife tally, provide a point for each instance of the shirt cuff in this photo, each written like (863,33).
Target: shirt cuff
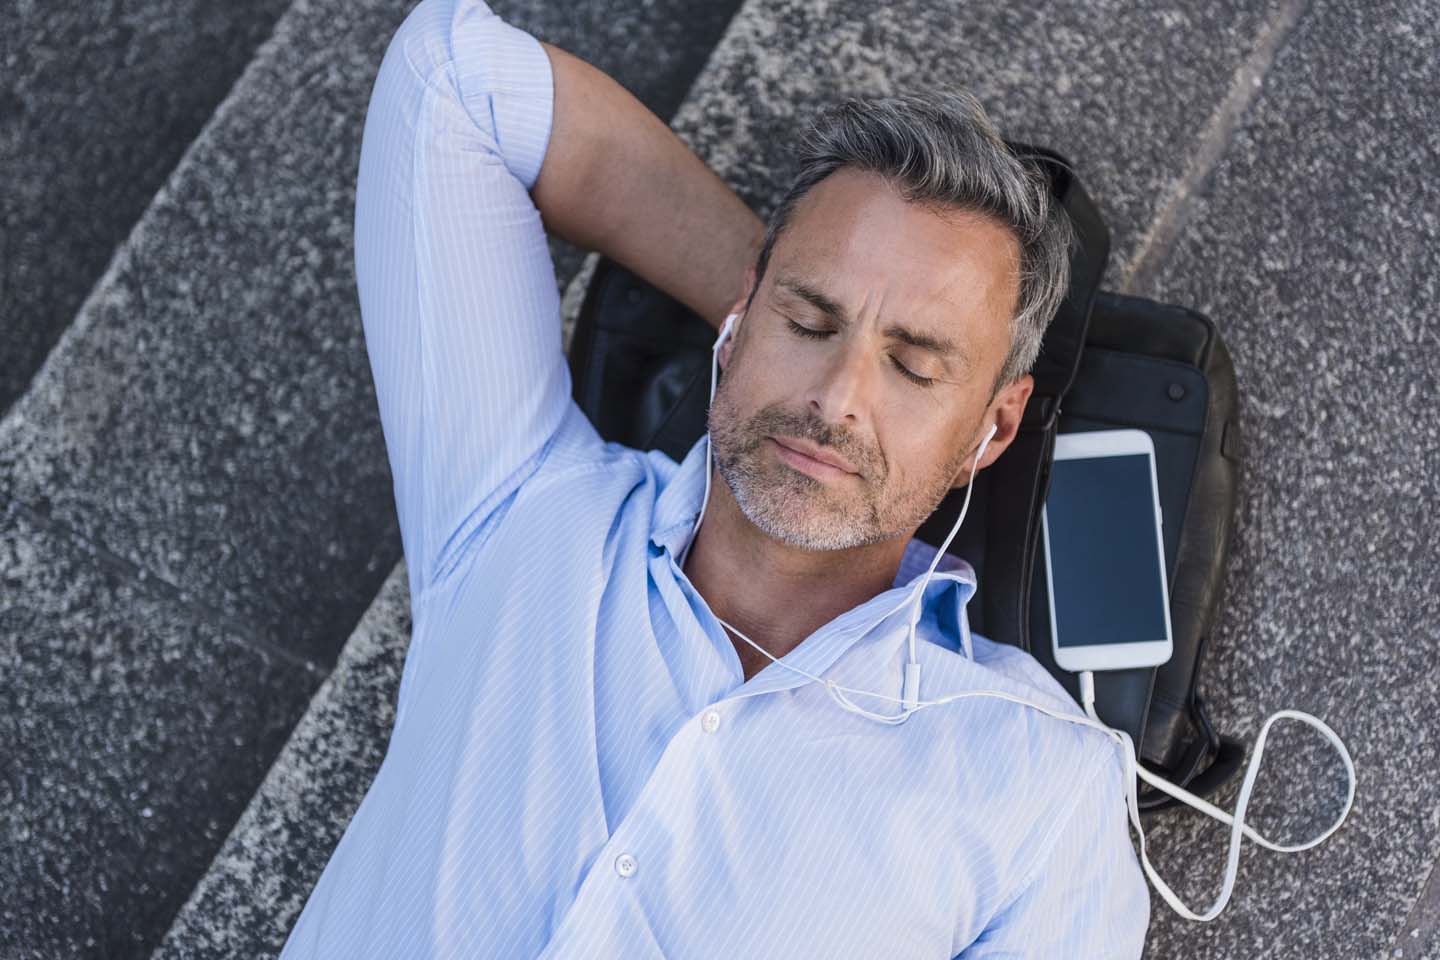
(501,63)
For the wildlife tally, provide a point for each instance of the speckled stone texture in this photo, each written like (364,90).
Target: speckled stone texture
(208,427)
(133,729)
(1419,936)
(97,103)
(209,415)
(1316,248)
(251,896)
(1125,93)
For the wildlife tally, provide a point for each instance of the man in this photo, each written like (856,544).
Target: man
(585,761)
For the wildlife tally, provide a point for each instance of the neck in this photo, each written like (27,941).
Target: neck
(775,593)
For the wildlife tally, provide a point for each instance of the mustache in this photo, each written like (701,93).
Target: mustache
(773,420)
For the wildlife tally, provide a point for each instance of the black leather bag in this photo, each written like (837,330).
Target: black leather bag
(640,369)
(1165,370)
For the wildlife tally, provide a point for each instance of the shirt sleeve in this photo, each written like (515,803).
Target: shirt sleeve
(1089,897)
(457,290)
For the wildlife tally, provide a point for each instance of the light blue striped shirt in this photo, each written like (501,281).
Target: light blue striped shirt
(578,767)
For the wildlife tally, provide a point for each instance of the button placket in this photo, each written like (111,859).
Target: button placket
(645,820)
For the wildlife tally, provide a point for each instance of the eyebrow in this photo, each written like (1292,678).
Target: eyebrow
(837,313)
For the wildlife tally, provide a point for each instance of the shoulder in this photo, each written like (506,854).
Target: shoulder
(1080,760)
(1019,666)
(1054,744)
(1015,712)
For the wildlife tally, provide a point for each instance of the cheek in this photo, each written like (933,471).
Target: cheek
(769,370)
(914,449)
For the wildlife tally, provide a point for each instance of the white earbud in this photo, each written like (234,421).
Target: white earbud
(725,330)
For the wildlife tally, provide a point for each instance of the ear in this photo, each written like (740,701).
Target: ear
(737,308)
(1005,411)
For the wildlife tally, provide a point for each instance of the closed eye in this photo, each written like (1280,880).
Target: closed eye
(806,332)
(913,377)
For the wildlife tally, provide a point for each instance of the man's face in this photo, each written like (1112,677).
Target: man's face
(874,278)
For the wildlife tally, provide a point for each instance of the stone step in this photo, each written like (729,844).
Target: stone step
(134,729)
(99,103)
(1316,246)
(250,897)
(198,504)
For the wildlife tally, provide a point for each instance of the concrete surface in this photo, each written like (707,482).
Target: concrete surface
(134,729)
(82,158)
(1125,93)
(1315,246)
(251,896)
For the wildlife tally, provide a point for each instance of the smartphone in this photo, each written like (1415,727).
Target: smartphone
(1105,554)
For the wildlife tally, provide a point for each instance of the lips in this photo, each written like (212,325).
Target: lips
(816,453)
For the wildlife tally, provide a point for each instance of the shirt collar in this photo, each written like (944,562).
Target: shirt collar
(678,505)
(949,590)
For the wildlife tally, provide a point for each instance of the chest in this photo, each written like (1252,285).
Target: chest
(756,835)
(644,808)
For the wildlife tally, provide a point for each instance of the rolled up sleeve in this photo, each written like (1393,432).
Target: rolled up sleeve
(457,290)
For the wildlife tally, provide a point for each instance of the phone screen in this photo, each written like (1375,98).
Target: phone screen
(1107,585)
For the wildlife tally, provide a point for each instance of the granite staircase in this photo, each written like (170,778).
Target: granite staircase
(203,603)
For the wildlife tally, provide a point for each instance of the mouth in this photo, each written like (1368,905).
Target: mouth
(811,460)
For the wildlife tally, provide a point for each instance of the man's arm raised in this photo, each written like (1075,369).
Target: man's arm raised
(618,180)
(472,139)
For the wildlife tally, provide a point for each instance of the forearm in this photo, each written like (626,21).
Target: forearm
(616,179)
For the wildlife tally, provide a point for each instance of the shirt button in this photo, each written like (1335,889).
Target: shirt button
(710,721)
(625,864)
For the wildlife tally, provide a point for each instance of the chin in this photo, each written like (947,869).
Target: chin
(806,527)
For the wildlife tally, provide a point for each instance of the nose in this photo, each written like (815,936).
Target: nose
(840,393)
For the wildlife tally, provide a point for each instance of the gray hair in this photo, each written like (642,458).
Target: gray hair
(940,150)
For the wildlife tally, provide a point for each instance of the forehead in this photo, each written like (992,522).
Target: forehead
(856,239)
